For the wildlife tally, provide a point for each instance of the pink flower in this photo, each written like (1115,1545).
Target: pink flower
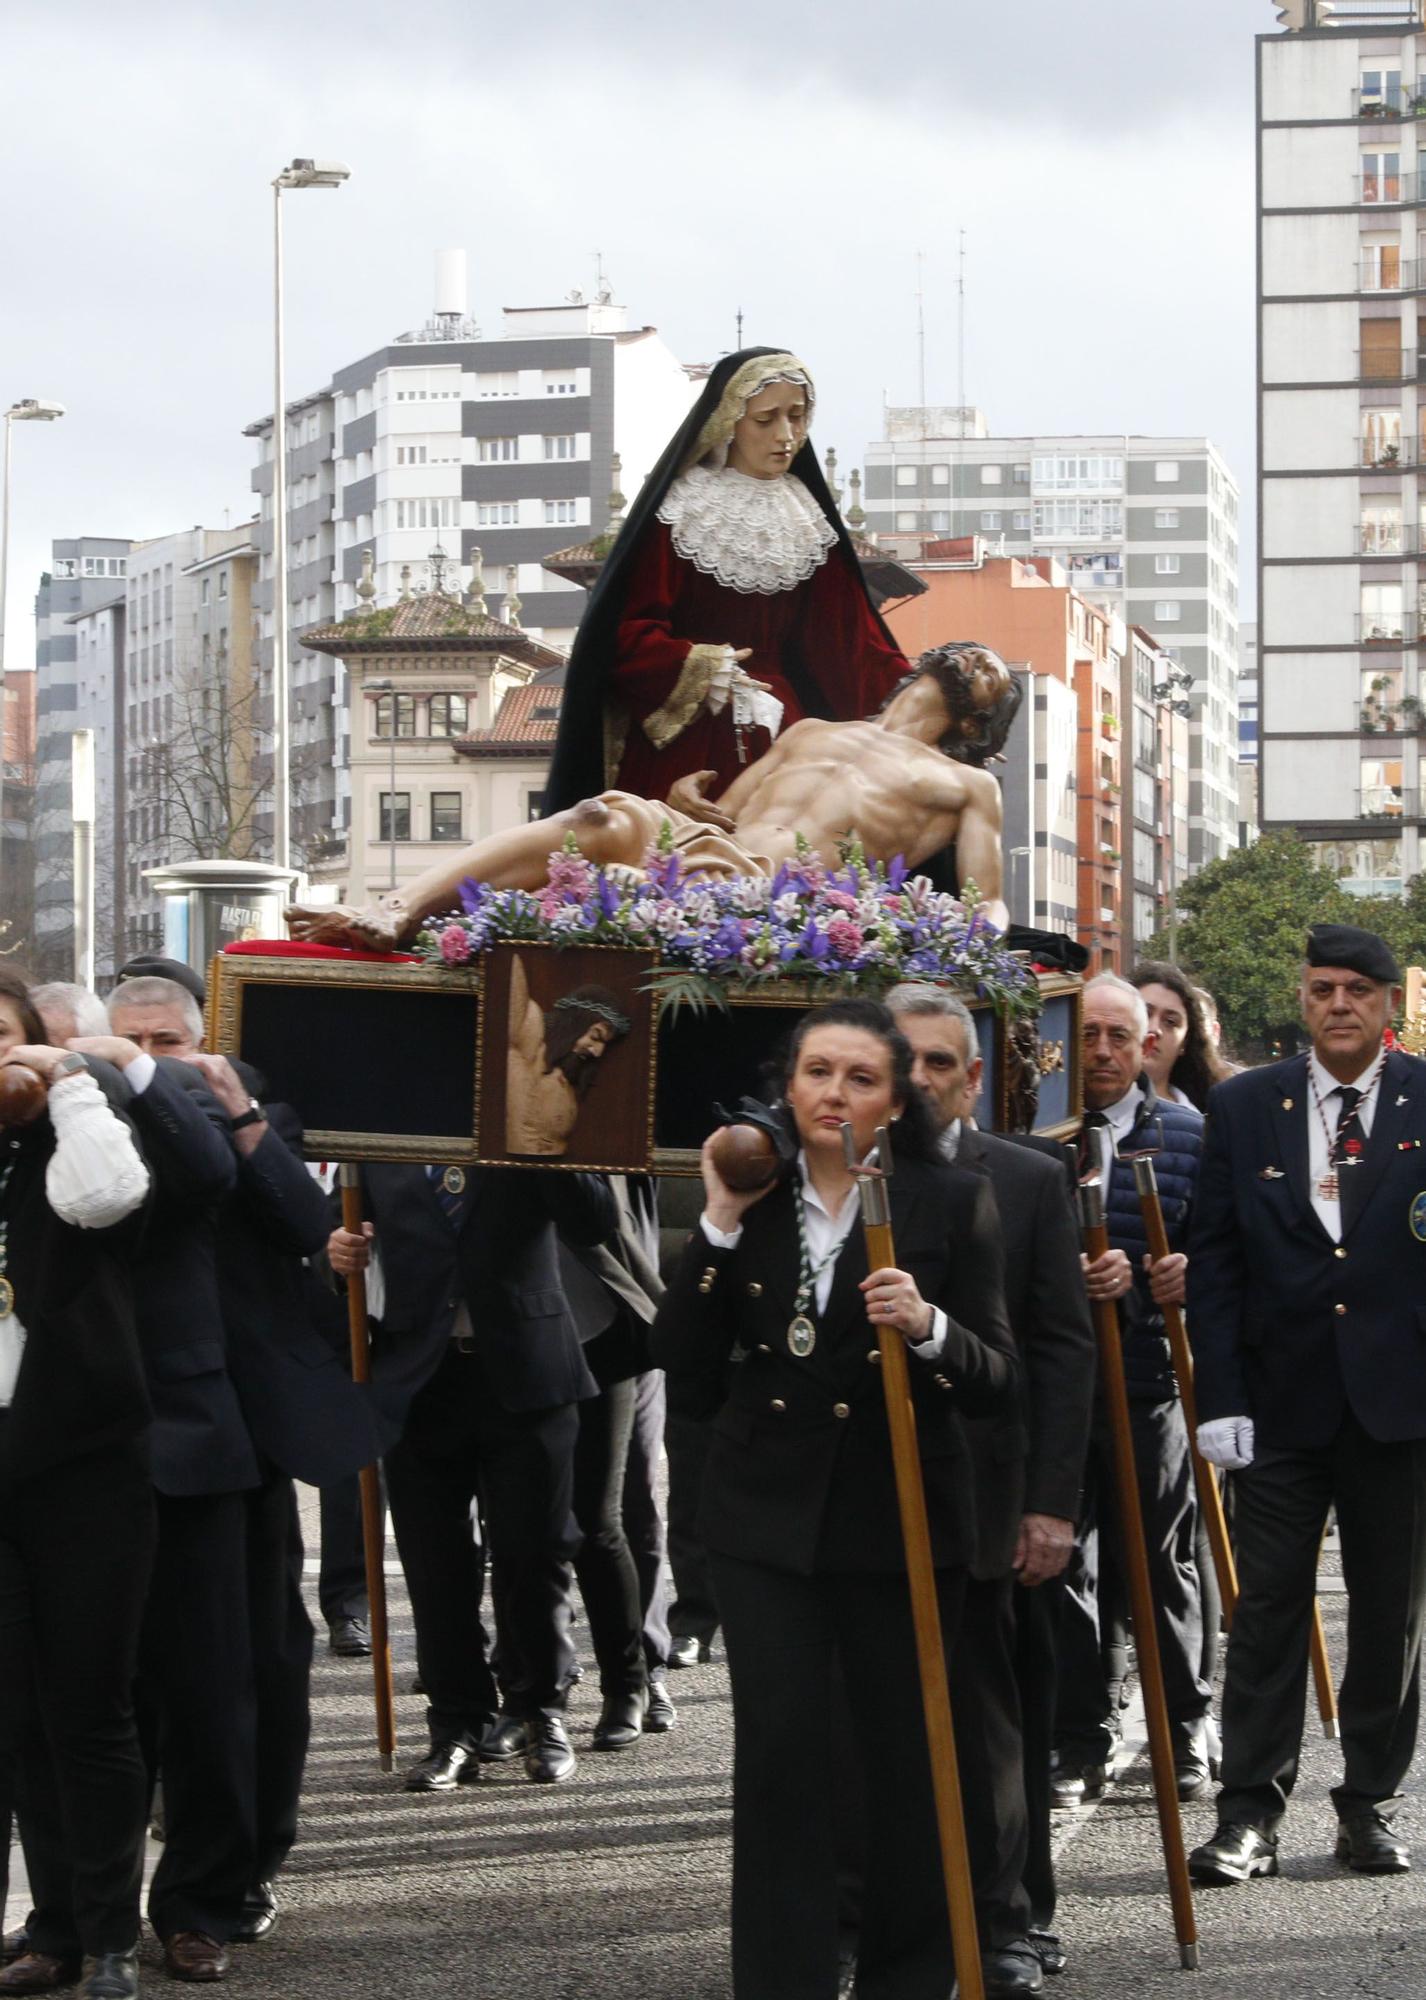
(844,937)
(839,900)
(569,876)
(455,945)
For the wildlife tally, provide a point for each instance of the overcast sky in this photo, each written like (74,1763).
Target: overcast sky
(788,160)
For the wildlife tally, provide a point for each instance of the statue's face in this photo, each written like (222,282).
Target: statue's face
(770,432)
(989,678)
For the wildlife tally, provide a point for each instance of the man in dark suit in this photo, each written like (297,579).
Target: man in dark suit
(474,1327)
(1309,1255)
(1028,1469)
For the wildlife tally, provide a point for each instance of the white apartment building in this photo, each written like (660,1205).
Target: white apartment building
(1342,424)
(1145,526)
(446,439)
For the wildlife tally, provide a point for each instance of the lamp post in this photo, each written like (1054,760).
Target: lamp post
(1020,854)
(1169,693)
(29,410)
(300,174)
(388,687)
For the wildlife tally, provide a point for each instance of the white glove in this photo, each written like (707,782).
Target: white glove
(721,685)
(1227,1442)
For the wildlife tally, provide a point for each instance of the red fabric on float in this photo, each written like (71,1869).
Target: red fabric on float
(294,948)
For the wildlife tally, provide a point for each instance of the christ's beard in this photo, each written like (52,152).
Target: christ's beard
(580,1071)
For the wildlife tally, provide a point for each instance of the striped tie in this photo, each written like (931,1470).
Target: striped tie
(452,1200)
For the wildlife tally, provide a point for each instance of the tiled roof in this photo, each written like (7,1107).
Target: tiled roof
(430,621)
(525,724)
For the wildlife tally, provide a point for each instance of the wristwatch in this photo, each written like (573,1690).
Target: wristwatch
(68,1065)
(254,1115)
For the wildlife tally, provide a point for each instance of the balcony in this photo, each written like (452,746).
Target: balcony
(1388,802)
(1399,274)
(1394,364)
(1387,539)
(1396,455)
(1385,190)
(1387,628)
(1392,100)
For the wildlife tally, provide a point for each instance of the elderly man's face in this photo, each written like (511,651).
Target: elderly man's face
(1113,1046)
(1346,1015)
(60,1024)
(158,1030)
(942,1065)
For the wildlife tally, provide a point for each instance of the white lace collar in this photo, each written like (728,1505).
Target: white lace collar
(753,535)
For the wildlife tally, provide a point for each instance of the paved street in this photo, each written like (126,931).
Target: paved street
(615,1883)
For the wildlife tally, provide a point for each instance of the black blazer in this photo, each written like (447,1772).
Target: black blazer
(200,1443)
(1033,1466)
(501,1258)
(1288,1327)
(303,1410)
(799,1473)
(81,1381)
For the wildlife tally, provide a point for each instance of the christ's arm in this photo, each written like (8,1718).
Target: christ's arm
(975,795)
(526,1032)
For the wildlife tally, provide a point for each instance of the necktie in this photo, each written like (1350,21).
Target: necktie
(1348,1146)
(452,1200)
(1091,1158)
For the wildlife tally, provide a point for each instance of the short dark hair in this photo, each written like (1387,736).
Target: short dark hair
(12,987)
(950,667)
(916,1137)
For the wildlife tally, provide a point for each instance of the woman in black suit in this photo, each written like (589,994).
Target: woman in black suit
(766,1322)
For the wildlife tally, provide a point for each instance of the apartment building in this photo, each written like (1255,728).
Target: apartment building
(1342,426)
(1146,527)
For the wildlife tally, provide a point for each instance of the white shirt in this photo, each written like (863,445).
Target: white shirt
(94,1179)
(824,1230)
(1111,1136)
(1321,1084)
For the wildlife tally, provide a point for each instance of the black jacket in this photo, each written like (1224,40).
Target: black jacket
(502,1259)
(81,1382)
(1033,1465)
(799,1473)
(200,1442)
(1288,1327)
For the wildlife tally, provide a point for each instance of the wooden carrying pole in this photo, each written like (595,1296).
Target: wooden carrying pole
(372,1524)
(1209,1496)
(1141,1597)
(921,1576)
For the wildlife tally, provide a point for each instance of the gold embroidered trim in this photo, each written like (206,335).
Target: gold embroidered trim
(752,376)
(690,692)
(616,735)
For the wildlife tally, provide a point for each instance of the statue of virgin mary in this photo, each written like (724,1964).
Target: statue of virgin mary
(731,605)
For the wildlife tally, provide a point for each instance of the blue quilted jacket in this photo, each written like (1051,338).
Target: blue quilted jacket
(1174,1133)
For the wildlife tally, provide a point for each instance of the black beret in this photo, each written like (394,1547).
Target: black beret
(148,965)
(1355,951)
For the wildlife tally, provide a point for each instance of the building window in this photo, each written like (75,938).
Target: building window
(1020,523)
(907,524)
(1381,177)
(410,454)
(1093,519)
(448,714)
(405,714)
(991,475)
(223,583)
(1166,471)
(427,513)
(939,521)
(991,524)
(506,383)
(402,830)
(497,514)
(534,805)
(1381,437)
(497,451)
(207,589)
(1167,612)
(64,569)
(560,512)
(1165,517)
(446,816)
(1167,565)
(565,386)
(1084,473)
(560,447)
(940,475)
(907,475)
(1021,475)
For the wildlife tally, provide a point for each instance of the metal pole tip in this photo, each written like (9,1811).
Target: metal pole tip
(1188,1957)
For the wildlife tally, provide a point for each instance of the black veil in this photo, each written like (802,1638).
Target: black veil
(577,766)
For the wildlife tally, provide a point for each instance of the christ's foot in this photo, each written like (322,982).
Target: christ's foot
(369,928)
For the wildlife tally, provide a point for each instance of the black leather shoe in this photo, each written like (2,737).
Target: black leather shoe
(690,1652)
(38,1972)
(1012,1970)
(1047,1948)
(259,1914)
(660,1716)
(1075,1777)
(1367,1843)
(13,1945)
(1236,1853)
(549,1758)
(114,1975)
(1195,1757)
(349,1638)
(444,1767)
(505,1738)
(621,1720)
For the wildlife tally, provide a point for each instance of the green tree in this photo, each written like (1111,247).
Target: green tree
(1240,933)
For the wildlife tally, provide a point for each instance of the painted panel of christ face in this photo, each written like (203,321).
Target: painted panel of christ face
(567,1055)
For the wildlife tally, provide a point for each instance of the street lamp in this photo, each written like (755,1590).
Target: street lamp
(1020,854)
(1169,693)
(300,174)
(29,410)
(388,687)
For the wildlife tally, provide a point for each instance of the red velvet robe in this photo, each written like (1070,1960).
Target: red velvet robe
(825,625)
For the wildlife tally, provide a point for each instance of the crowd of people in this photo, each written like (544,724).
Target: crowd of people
(173,1358)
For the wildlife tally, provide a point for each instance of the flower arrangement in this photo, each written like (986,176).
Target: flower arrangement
(861,925)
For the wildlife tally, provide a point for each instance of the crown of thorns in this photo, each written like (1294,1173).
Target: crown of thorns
(612,1015)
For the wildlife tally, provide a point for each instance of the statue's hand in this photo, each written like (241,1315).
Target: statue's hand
(367,929)
(687,795)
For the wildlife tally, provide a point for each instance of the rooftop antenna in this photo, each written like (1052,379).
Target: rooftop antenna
(921,335)
(961,335)
(602,292)
(740,330)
